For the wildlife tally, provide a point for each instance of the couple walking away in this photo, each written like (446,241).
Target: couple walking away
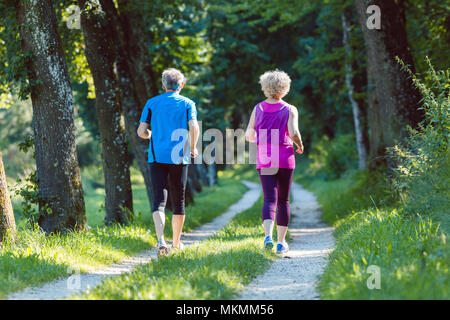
(273,126)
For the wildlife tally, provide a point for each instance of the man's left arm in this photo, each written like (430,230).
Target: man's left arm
(194,129)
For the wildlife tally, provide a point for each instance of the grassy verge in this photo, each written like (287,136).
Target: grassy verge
(215,269)
(411,250)
(37,257)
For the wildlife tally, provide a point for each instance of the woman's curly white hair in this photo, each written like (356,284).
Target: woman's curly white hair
(275,84)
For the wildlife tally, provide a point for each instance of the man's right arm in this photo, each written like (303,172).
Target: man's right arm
(143,131)
(144,122)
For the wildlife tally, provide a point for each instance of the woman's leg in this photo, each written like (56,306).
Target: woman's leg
(284,181)
(269,187)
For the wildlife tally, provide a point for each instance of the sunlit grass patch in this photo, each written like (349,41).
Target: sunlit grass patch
(412,254)
(213,269)
(37,257)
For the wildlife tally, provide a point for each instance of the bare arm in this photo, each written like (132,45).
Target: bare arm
(194,132)
(143,131)
(294,133)
(250,133)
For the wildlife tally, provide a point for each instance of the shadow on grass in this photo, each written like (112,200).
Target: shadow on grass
(190,274)
(18,272)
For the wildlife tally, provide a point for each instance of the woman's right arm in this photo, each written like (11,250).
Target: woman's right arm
(250,133)
(294,133)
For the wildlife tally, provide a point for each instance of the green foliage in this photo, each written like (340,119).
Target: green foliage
(331,159)
(13,70)
(404,226)
(428,25)
(353,192)
(29,195)
(422,175)
(412,254)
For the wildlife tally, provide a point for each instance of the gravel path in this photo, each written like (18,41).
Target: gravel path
(294,277)
(78,283)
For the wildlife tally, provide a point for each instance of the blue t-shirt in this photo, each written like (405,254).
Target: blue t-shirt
(168,115)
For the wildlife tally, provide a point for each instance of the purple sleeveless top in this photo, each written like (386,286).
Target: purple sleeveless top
(275,147)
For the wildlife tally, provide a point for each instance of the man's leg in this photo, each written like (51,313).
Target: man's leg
(159,182)
(178,179)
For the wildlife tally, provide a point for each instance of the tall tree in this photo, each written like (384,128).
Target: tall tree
(138,80)
(396,97)
(129,92)
(7,222)
(60,191)
(101,56)
(354,87)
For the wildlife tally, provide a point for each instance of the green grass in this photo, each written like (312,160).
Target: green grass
(412,255)
(411,250)
(37,257)
(216,268)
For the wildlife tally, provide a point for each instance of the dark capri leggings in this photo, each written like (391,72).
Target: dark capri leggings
(163,175)
(276,189)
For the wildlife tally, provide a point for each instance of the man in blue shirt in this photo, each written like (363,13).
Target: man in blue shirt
(173,137)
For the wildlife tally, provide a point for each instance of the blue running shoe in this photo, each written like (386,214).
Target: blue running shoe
(282,248)
(268,242)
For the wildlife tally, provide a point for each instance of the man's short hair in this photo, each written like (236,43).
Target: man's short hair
(172,79)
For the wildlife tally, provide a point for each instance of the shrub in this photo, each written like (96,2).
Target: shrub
(330,159)
(422,176)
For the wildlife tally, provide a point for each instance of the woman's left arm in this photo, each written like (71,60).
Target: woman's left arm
(294,133)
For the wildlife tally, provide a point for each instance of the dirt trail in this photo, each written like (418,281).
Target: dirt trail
(294,277)
(76,284)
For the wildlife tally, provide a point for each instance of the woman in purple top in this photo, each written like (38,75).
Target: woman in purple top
(273,126)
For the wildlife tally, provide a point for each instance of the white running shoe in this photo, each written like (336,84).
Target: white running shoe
(163,249)
(178,248)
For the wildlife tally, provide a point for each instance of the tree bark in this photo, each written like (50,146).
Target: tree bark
(143,76)
(129,97)
(397,99)
(358,107)
(59,182)
(7,222)
(100,54)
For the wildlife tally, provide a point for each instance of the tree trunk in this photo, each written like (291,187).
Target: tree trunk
(7,222)
(100,54)
(212,174)
(144,78)
(397,98)
(129,98)
(353,86)
(59,181)
(377,149)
